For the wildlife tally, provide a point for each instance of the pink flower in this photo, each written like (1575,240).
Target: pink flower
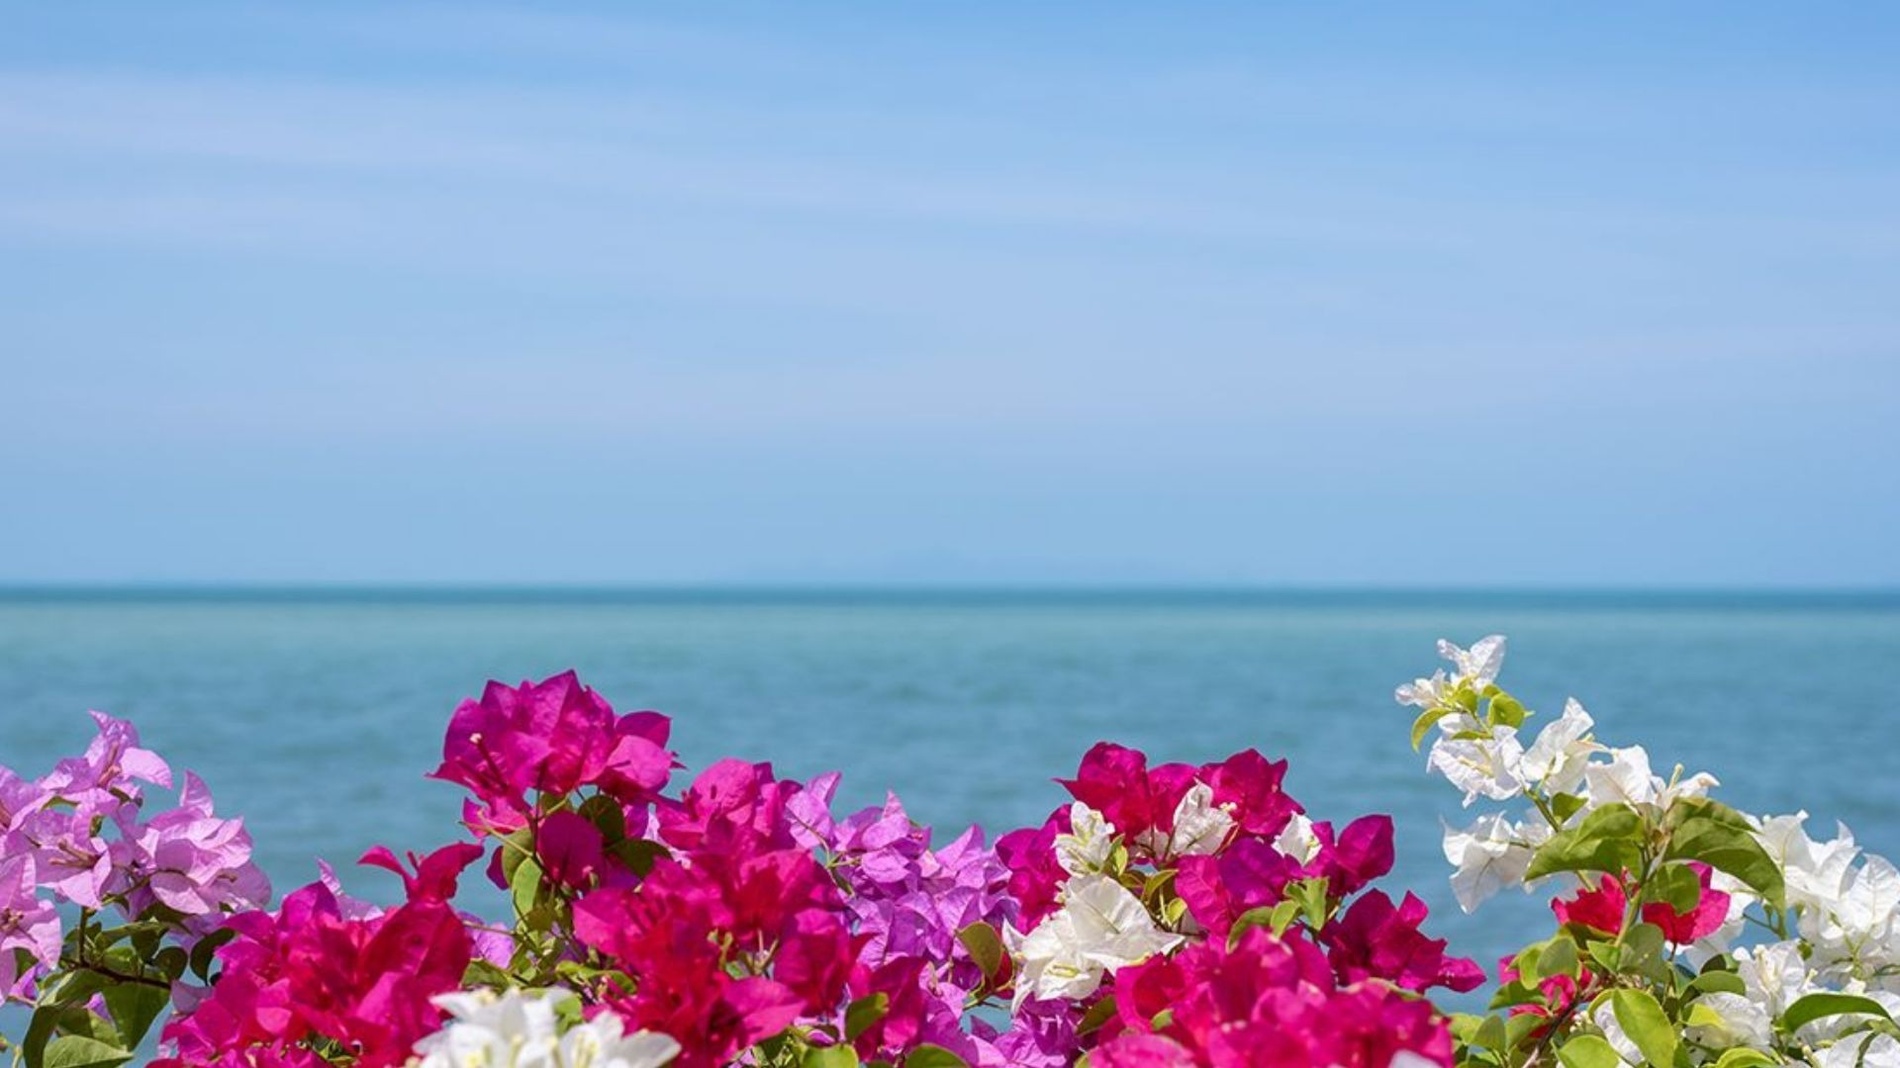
(1265,1002)
(187,859)
(1030,855)
(1250,783)
(1603,907)
(19,798)
(307,969)
(27,922)
(103,777)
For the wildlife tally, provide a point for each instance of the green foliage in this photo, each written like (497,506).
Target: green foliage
(1588,1051)
(1819,1006)
(929,1056)
(77,1051)
(1725,845)
(1644,1021)
(1609,840)
(986,948)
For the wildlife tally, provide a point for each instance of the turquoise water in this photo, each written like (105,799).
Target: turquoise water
(315,716)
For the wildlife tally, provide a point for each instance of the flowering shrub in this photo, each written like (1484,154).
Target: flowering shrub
(1169,915)
(1689,933)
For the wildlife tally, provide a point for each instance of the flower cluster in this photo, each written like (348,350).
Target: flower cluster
(535,1029)
(1184,915)
(97,893)
(1649,963)
(1167,915)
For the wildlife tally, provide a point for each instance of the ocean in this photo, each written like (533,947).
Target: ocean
(315,714)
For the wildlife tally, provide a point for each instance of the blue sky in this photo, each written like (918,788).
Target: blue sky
(1599,295)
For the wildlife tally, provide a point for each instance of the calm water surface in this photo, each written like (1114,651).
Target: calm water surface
(315,716)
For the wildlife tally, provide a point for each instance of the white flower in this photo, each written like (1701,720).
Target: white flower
(1298,840)
(1479,666)
(599,1043)
(1425,693)
(1721,1020)
(1489,854)
(1814,871)
(1697,785)
(1200,826)
(521,1029)
(1556,759)
(1774,976)
(1100,928)
(1861,1051)
(1091,838)
(1855,924)
(1481,766)
(1626,779)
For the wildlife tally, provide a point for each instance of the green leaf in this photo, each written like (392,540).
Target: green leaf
(1589,1051)
(1099,1013)
(1607,955)
(1718,983)
(1676,885)
(1566,806)
(1608,840)
(204,953)
(1423,724)
(1559,957)
(1518,1028)
(171,962)
(862,1013)
(1506,711)
(607,817)
(517,848)
(76,1051)
(1644,1021)
(1817,1006)
(1276,918)
(831,1057)
(524,886)
(1743,1057)
(1725,847)
(134,1008)
(985,946)
(1688,808)
(1644,952)
(638,854)
(929,1056)
(1311,895)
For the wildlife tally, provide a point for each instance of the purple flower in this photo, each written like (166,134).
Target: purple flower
(26,922)
(67,857)
(103,778)
(19,798)
(187,859)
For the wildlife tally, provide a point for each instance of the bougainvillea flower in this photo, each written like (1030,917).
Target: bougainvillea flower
(27,922)
(555,737)
(112,764)
(1376,940)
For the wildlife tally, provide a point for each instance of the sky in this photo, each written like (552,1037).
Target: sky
(1387,294)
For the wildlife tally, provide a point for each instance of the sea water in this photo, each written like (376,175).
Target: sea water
(315,714)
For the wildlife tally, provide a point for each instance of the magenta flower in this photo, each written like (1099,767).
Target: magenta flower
(554,737)
(1375,939)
